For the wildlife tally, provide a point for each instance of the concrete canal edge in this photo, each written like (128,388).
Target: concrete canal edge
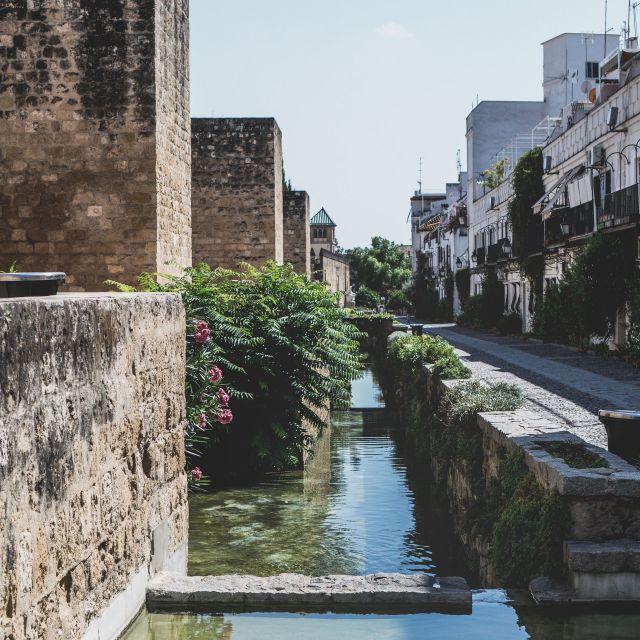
(294,592)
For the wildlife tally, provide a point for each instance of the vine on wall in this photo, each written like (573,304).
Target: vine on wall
(528,187)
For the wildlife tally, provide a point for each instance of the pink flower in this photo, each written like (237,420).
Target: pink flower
(202,422)
(215,374)
(224,416)
(196,474)
(202,332)
(223,397)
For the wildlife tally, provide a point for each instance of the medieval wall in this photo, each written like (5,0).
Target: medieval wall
(93,492)
(335,272)
(236,191)
(95,160)
(296,247)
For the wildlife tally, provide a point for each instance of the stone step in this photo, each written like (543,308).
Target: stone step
(598,572)
(298,593)
(612,556)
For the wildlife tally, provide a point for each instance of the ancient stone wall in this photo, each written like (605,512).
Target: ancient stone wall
(94,123)
(236,191)
(93,492)
(296,247)
(335,272)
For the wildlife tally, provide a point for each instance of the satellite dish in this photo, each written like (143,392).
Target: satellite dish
(586,86)
(592,96)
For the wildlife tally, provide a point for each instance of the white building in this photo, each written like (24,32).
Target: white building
(439,236)
(592,169)
(501,132)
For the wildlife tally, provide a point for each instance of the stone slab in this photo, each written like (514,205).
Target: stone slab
(603,557)
(298,592)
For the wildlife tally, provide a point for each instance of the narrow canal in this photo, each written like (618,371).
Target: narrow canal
(352,511)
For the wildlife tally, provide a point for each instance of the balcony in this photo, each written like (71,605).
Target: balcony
(620,207)
(499,251)
(480,256)
(568,223)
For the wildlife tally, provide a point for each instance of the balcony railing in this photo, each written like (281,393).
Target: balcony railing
(499,251)
(480,256)
(568,223)
(620,207)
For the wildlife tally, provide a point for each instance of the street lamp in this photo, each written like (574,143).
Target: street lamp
(506,247)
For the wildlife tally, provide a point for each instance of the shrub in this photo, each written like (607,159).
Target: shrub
(398,300)
(585,303)
(285,351)
(418,350)
(367,298)
(470,398)
(463,284)
(483,311)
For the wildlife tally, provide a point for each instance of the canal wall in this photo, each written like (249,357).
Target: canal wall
(93,491)
(520,504)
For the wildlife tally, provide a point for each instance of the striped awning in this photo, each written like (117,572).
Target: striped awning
(548,201)
(431,223)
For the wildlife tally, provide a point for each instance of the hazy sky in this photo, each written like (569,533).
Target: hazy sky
(362,88)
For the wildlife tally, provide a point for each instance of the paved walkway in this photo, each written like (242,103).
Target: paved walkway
(559,382)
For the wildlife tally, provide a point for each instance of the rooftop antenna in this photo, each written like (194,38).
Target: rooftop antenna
(635,6)
(459,168)
(420,176)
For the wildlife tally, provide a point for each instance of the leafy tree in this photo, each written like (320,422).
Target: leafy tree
(383,267)
(367,298)
(398,300)
(494,175)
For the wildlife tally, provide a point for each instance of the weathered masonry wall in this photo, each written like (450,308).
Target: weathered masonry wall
(95,129)
(236,191)
(297,243)
(93,492)
(522,489)
(335,272)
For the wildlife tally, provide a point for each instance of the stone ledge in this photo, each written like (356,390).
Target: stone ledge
(524,431)
(297,592)
(603,557)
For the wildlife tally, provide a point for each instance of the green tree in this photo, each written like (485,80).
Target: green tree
(383,267)
(365,297)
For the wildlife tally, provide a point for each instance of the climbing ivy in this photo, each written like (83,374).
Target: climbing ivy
(528,187)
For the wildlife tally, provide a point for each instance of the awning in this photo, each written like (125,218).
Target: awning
(580,189)
(431,223)
(546,204)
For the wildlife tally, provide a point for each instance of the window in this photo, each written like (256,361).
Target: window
(591,70)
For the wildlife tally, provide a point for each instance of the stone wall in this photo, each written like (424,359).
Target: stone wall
(94,123)
(513,492)
(334,270)
(93,492)
(236,191)
(297,245)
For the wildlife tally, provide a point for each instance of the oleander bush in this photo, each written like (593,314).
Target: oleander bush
(284,350)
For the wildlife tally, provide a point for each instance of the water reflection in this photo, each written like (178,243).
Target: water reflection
(354,510)
(350,512)
(491,620)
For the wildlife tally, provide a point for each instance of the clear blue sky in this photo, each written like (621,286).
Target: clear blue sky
(362,88)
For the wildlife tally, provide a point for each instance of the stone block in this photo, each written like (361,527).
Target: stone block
(77,375)
(296,592)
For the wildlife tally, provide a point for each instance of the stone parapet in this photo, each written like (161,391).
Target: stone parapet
(93,490)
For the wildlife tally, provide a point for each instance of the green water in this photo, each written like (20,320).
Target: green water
(354,510)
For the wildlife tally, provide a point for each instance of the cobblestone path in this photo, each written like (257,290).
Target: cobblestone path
(560,383)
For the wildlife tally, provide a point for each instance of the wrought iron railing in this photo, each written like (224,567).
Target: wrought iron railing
(568,223)
(619,207)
